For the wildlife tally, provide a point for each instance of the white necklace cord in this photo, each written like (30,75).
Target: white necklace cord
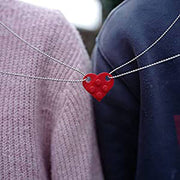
(147,66)
(41,52)
(77,81)
(40,78)
(142,53)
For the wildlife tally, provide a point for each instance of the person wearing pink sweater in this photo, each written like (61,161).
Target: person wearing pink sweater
(46,127)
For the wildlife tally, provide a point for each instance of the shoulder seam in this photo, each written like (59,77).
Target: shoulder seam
(98,39)
(110,15)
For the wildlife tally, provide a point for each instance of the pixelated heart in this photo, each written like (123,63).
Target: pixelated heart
(98,85)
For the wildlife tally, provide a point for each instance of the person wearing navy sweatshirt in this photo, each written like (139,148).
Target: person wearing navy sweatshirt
(138,121)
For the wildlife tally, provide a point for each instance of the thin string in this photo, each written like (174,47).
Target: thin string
(147,66)
(77,81)
(147,49)
(41,52)
(40,78)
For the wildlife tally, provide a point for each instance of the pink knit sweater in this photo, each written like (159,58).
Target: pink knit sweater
(46,128)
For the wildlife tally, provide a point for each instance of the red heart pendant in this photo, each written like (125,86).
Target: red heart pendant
(98,85)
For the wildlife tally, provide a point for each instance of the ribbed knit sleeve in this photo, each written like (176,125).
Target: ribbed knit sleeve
(46,128)
(74,153)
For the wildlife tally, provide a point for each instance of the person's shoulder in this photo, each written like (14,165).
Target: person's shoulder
(131,19)
(118,19)
(115,31)
(133,13)
(41,15)
(51,24)
(49,30)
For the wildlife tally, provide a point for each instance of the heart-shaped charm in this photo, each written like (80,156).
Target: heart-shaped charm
(98,85)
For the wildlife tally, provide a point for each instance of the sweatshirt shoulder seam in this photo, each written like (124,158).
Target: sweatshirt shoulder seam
(110,16)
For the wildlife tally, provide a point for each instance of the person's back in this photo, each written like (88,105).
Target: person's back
(136,121)
(46,127)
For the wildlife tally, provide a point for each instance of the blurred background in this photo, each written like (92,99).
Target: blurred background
(87,15)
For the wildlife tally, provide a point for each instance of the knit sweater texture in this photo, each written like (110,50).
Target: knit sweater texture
(46,128)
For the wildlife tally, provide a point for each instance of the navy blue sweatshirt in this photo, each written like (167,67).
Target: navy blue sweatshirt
(137,122)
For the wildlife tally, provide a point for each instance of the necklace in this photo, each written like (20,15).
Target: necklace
(97,85)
